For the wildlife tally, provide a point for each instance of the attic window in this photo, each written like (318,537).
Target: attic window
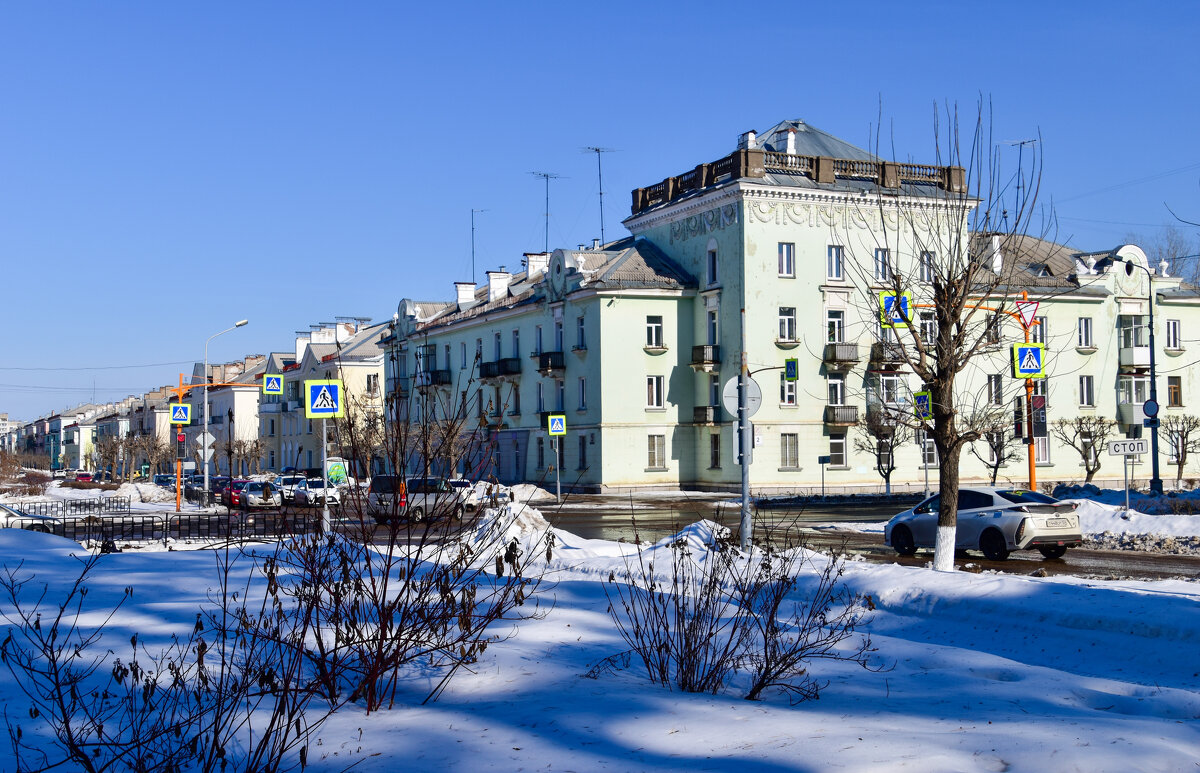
(1039,269)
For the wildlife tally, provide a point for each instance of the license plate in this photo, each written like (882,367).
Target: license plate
(1057,522)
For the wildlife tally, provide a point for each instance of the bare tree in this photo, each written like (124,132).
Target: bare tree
(946,251)
(881,437)
(108,450)
(1087,435)
(1169,243)
(1002,448)
(1183,437)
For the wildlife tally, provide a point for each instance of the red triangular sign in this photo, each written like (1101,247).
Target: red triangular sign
(1027,310)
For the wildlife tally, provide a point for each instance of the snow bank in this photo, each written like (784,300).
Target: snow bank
(144,492)
(527,492)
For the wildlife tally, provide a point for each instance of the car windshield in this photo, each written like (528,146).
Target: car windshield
(255,487)
(383,484)
(1026,497)
(316,483)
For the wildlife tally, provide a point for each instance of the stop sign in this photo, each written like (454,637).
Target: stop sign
(179,437)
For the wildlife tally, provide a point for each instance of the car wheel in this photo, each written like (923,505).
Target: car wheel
(39,528)
(458,513)
(991,542)
(903,542)
(416,514)
(1053,551)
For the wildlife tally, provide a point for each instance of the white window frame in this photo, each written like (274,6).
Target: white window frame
(1084,328)
(927,325)
(1133,390)
(516,342)
(713,330)
(1174,334)
(1087,391)
(835,389)
(995,389)
(1041,450)
(834,256)
(789,451)
(787,323)
(883,264)
(787,260)
(654,331)
(928,450)
(837,450)
(925,266)
(835,326)
(1039,332)
(581,332)
(787,391)
(655,398)
(656,452)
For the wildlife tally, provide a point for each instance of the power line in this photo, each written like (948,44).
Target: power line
(99,367)
(1137,181)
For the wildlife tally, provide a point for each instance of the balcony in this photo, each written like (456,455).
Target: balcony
(706,414)
(1135,356)
(887,352)
(1130,414)
(548,362)
(489,370)
(706,358)
(509,366)
(841,415)
(432,378)
(884,414)
(292,406)
(270,408)
(402,386)
(840,356)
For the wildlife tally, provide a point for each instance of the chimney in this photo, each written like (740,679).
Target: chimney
(498,284)
(536,263)
(466,294)
(791,142)
(747,141)
(595,244)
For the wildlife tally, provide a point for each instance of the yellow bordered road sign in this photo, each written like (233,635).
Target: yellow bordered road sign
(324,399)
(894,309)
(923,404)
(556,424)
(272,384)
(181,413)
(1029,360)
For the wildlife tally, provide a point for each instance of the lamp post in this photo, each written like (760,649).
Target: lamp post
(204,432)
(1151,406)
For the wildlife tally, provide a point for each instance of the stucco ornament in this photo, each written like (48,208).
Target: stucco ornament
(716,219)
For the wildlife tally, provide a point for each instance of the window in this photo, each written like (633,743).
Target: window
(1087,392)
(478,350)
(516,401)
(994,330)
(787,259)
(654,392)
(372,384)
(712,267)
(837,389)
(925,266)
(789,451)
(1174,340)
(835,326)
(496,348)
(1090,451)
(1133,389)
(272,430)
(787,391)
(1175,391)
(995,385)
(537,339)
(714,451)
(583,394)
(496,401)
(541,397)
(928,450)
(560,395)
(541,453)
(462,355)
(447,353)
(558,335)
(583,465)
(1131,329)
(654,332)
(580,333)
(656,452)
(1041,450)
(1038,333)
(883,454)
(712,327)
(1085,333)
(883,264)
(837,450)
(787,323)
(889,388)
(516,343)
(833,262)
(995,441)
(927,323)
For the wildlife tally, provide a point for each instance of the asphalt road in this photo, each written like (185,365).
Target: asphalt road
(650,518)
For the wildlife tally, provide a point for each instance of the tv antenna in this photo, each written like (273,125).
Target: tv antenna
(600,180)
(547,176)
(473,243)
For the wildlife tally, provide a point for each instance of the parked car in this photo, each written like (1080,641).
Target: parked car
(230,491)
(83,477)
(995,521)
(287,486)
(386,498)
(313,492)
(13,518)
(467,492)
(166,481)
(257,493)
(433,497)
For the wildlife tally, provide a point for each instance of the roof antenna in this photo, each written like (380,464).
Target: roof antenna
(547,176)
(600,179)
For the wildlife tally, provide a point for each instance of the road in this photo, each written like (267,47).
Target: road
(653,517)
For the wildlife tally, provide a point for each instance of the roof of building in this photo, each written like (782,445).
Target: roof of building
(629,263)
(810,141)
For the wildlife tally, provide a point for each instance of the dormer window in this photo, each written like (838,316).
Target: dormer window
(1039,269)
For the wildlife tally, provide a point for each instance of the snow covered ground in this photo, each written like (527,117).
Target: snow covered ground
(982,672)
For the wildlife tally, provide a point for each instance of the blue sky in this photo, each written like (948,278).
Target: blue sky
(169,168)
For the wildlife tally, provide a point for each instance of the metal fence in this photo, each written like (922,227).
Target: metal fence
(65,507)
(144,528)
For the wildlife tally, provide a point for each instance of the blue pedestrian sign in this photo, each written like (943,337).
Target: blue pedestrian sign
(181,413)
(1029,360)
(895,310)
(923,402)
(791,369)
(557,424)
(323,399)
(272,384)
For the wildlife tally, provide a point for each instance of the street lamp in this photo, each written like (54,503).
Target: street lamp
(1151,405)
(204,432)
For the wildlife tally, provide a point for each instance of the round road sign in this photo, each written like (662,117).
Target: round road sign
(1150,408)
(729,396)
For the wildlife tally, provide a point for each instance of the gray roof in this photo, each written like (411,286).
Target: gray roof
(810,141)
(631,263)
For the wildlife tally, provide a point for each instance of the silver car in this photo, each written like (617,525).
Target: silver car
(995,521)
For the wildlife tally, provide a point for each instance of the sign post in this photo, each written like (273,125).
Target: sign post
(556,426)
(181,413)
(742,397)
(1127,449)
(324,401)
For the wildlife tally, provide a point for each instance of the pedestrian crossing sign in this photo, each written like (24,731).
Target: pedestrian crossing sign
(791,369)
(1029,360)
(324,399)
(923,402)
(895,310)
(557,424)
(272,384)
(181,413)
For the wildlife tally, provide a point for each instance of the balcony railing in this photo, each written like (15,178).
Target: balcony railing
(489,369)
(707,356)
(885,414)
(841,415)
(1135,356)
(426,378)
(549,361)
(510,366)
(840,355)
(1130,413)
(706,414)
(887,351)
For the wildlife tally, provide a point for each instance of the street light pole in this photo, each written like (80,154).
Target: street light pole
(1156,484)
(204,431)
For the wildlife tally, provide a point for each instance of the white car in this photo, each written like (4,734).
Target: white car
(286,484)
(313,492)
(12,518)
(995,521)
